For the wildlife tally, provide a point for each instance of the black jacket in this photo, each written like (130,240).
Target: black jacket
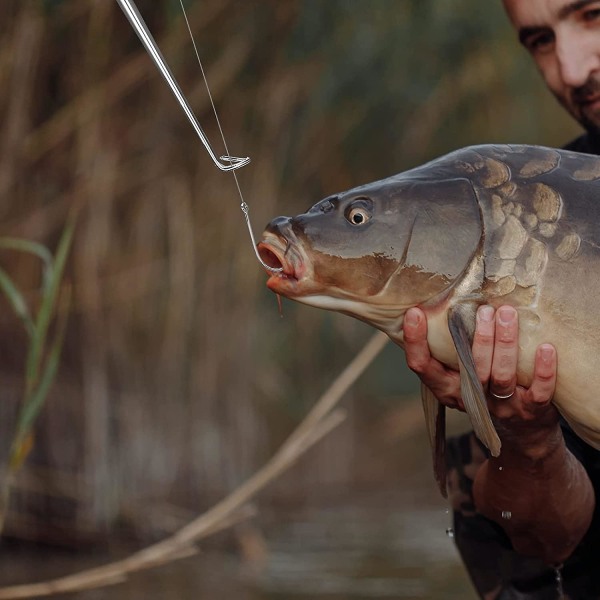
(586,143)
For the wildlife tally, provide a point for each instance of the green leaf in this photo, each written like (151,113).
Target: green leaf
(16,300)
(27,246)
(34,248)
(35,402)
(46,311)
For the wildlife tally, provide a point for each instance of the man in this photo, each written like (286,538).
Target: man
(547,476)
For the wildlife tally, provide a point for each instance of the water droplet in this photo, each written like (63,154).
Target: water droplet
(559,581)
(450,532)
(506,514)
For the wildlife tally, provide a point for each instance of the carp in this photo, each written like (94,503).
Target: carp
(489,224)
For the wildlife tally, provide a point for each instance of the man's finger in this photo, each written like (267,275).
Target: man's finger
(483,343)
(544,374)
(415,340)
(443,383)
(503,379)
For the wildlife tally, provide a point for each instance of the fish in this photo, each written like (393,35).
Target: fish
(487,224)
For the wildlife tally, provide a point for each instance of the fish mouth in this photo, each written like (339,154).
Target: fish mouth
(272,257)
(277,253)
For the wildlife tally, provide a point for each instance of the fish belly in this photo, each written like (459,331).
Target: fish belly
(577,394)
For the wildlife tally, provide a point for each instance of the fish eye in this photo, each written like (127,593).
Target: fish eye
(358,214)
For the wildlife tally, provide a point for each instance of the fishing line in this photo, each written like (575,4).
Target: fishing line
(244,206)
(233,162)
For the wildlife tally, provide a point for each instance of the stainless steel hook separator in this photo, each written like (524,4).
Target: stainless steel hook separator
(229,163)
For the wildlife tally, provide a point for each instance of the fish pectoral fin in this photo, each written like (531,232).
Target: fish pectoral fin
(461,322)
(435,421)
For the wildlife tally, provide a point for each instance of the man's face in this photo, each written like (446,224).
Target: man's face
(563,37)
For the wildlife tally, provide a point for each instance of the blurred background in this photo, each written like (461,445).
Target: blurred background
(178,376)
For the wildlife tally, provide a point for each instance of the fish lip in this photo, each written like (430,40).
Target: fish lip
(280,252)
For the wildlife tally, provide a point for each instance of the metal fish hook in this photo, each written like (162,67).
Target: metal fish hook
(138,24)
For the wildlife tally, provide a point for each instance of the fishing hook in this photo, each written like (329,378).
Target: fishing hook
(138,24)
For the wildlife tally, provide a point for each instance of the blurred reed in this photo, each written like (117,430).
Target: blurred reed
(178,378)
(41,363)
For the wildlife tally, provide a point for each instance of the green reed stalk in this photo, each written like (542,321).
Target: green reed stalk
(42,355)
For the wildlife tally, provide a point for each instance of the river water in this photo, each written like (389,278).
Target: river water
(374,544)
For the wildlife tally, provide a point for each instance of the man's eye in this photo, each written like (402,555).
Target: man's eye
(592,15)
(541,42)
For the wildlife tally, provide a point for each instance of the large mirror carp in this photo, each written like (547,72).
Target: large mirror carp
(488,224)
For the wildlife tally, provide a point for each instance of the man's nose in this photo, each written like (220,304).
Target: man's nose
(577,58)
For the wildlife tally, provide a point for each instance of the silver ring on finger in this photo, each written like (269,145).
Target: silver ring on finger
(503,397)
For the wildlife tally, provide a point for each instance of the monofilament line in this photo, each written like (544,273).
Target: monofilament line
(243,204)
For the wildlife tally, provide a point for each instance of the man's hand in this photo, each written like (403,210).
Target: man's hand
(495,352)
(536,489)
(442,381)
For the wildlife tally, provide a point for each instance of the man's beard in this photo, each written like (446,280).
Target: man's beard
(588,117)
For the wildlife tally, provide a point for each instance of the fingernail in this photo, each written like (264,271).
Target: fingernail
(411,318)
(547,352)
(506,315)
(486,313)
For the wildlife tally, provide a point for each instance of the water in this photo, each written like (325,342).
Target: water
(559,582)
(387,545)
